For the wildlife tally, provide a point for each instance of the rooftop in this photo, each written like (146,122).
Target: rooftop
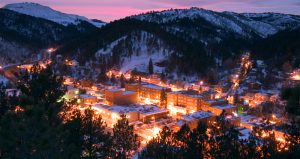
(224,106)
(143,109)
(128,92)
(153,86)
(197,115)
(86,96)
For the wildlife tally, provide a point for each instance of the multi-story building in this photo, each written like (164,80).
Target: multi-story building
(120,97)
(147,93)
(183,102)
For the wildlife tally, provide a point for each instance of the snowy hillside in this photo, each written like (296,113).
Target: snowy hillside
(11,52)
(37,10)
(136,50)
(242,24)
(281,21)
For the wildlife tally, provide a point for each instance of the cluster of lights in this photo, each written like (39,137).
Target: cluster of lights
(295,75)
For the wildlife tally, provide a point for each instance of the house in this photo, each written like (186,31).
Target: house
(86,83)
(86,99)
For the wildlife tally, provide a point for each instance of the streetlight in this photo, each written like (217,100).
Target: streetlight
(200,89)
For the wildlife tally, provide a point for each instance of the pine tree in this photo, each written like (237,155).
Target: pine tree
(162,147)
(292,96)
(36,131)
(163,98)
(140,80)
(197,142)
(122,80)
(150,67)
(125,141)
(42,85)
(102,77)
(163,78)
(4,107)
(96,141)
(113,79)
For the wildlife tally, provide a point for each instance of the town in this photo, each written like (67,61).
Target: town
(151,103)
(144,79)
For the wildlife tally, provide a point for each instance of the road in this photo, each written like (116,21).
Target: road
(10,71)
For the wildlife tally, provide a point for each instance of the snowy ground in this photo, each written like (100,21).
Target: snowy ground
(3,79)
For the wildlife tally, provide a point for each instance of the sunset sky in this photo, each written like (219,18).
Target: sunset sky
(108,10)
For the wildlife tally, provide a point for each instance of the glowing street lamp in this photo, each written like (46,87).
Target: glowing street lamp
(50,50)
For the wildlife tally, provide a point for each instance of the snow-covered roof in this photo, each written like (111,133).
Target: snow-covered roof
(143,109)
(187,93)
(128,92)
(197,115)
(152,86)
(224,106)
(86,96)
(211,101)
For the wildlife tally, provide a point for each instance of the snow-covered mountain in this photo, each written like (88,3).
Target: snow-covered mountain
(23,35)
(194,39)
(40,11)
(246,24)
(181,40)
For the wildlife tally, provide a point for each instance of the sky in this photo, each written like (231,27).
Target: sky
(109,10)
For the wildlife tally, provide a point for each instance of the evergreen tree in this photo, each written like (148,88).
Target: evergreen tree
(150,67)
(3,101)
(122,80)
(124,140)
(198,142)
(41,85)
(163,98)
(35,131)
(161,147)
(163,78)
(102,77)
(292,131)
(140,80)
(96,141)
(113,79)
(292,95)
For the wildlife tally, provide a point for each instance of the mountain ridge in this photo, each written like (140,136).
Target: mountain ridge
(195,39)
(40,11)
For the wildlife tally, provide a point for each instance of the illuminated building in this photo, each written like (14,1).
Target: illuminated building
(147,93)
(143,113)
(120,97)
(218,109)
(86,99)
(193,119)
(86,83)
(71,93)
(211,102)
(183,102)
